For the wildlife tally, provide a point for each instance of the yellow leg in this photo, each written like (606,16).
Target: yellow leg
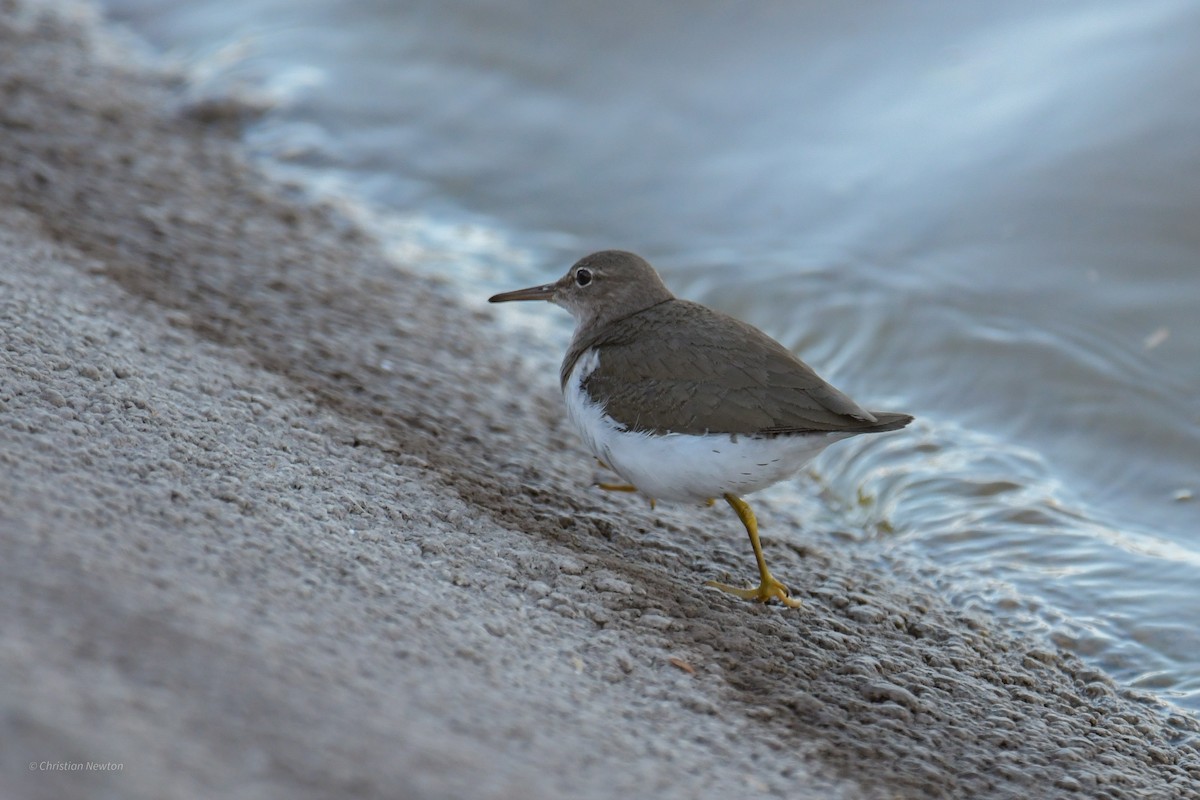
(617,487)
(620,487)
(768,587)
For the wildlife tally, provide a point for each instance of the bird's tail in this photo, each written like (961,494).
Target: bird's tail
(886,421)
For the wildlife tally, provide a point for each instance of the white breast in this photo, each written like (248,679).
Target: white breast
(678,466)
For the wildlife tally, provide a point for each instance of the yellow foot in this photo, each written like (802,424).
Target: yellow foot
(767,590)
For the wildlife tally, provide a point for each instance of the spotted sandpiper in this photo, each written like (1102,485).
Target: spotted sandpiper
(686,403)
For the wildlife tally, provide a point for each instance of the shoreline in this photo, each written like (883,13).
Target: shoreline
(282,517)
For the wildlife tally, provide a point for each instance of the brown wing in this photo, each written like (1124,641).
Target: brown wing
(684,368)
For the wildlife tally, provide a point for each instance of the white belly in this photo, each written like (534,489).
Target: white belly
(678,466)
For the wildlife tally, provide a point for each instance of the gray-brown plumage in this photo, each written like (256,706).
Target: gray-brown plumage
(673,366)
(679,367)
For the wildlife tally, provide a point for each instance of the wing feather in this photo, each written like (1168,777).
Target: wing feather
(680,367)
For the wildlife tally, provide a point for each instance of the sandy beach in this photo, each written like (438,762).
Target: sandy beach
(279,517)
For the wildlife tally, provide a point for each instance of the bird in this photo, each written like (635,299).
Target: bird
(686,403)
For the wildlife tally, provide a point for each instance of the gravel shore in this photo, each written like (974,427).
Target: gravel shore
(280,518)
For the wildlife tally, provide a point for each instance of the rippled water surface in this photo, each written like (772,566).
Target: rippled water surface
(987,214)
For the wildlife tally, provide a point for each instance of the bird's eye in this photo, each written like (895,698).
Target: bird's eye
(583,277)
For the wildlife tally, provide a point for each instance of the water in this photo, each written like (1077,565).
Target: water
(984,214)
